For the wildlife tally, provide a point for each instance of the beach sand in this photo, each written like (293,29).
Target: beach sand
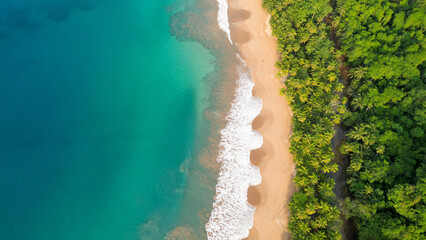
(251,32)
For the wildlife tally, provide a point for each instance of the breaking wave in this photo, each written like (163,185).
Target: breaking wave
(232,215)
(222,18)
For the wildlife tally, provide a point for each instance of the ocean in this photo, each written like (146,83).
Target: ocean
(110,118)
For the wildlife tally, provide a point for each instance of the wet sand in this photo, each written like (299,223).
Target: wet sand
(251,32)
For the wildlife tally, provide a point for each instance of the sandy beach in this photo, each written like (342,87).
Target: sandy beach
(251,32)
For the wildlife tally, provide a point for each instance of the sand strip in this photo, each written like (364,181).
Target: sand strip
(250,30)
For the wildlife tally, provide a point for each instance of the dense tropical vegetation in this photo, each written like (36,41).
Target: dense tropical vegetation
(382,44)
(309,62)
(385,46)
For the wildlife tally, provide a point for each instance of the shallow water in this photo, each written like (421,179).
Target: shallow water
(110,118)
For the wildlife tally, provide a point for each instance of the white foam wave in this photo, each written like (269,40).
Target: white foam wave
(222,18)
(232,215)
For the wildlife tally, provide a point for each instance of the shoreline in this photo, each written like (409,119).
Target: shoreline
(250,31)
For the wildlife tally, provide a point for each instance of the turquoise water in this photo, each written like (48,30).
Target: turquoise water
(100,110)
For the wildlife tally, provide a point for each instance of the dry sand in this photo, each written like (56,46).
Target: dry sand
(250,30)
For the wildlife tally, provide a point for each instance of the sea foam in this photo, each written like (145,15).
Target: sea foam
(222,17)
(232,215)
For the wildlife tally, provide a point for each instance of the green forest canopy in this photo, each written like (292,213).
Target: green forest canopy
(382,44)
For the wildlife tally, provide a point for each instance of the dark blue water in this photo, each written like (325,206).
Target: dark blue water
(98,111)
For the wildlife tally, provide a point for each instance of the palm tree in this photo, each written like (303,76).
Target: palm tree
(324,208)
(358,73)
(318,235)
(326,168)
(303,227)
(309,191)
(357,133)
(311,208)
(301,181)
(380,149)
(334,168)
(313,179)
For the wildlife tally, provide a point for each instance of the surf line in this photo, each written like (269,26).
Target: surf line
(232,215)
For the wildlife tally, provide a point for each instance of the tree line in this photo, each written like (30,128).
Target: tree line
(382,44)
(311,69)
